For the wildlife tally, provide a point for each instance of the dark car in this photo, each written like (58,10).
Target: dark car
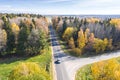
(58,61)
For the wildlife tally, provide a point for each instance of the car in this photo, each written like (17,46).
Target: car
(58,61)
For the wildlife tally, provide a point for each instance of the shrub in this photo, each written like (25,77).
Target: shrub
(29,71)
(84,73)
(76,51)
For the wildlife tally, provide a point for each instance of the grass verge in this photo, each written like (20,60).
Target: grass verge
(8,64)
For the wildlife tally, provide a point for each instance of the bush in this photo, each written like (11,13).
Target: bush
(84,73)
(103,70)
(76,51)
(29,71)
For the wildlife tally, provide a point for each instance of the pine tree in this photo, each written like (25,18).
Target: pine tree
(64,26)
(22,39)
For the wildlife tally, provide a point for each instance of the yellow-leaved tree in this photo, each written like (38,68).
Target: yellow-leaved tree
(100,45)
(81,39)
(97,70)
(3,40)
(87,33)
(106,70)
(71,43)
(15,29)
(68,33)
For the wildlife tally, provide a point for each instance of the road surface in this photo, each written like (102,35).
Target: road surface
(69,65)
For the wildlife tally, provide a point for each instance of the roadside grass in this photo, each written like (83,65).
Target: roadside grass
(67,50)
(84,73)
(8,64)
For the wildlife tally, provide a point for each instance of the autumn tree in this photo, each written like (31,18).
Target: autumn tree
(105,70)
(71,43)
(105,41)
(100,45)
(110,46)
(15,30)
(90,42)
(87,33)
(91,38)
(3,40)
(68,33)
(97,70)
(10,46)
(81,39)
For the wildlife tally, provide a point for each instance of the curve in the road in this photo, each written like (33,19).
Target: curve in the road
(69,65)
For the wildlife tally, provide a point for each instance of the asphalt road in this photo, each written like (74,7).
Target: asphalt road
(66,69)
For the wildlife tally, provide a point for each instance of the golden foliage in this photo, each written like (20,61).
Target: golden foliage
(81,39)
(100,45)
(68,33)
(106,70)
(15,28)
(97,69)
(115,21)
(92,20)
(110,46)
(87,32)
(77,51)
(91,38)
(28,22)
(71,43)
(4,35)
(28,71)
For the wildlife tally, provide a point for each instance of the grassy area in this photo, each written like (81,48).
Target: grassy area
(96,70)
(64,46)
(8,64)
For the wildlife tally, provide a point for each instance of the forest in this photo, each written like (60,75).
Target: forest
(88,36)
(22,34)
(24,47)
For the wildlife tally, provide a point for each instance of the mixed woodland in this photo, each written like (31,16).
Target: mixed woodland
(86,36)
(24,47)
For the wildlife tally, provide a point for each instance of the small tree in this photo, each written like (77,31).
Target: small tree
(68,33)
(64,26)
(100,45)
(87,33)
(15,30)
(3,41)
(81,40)
(71,43)
(110,46)
(29,71)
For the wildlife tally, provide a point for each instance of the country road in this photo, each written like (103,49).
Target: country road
(69,65)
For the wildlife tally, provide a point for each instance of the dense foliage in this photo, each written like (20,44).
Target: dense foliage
(104,70)
(23,34)
(22,38)
(90,35)
(7,65)
(29,71)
